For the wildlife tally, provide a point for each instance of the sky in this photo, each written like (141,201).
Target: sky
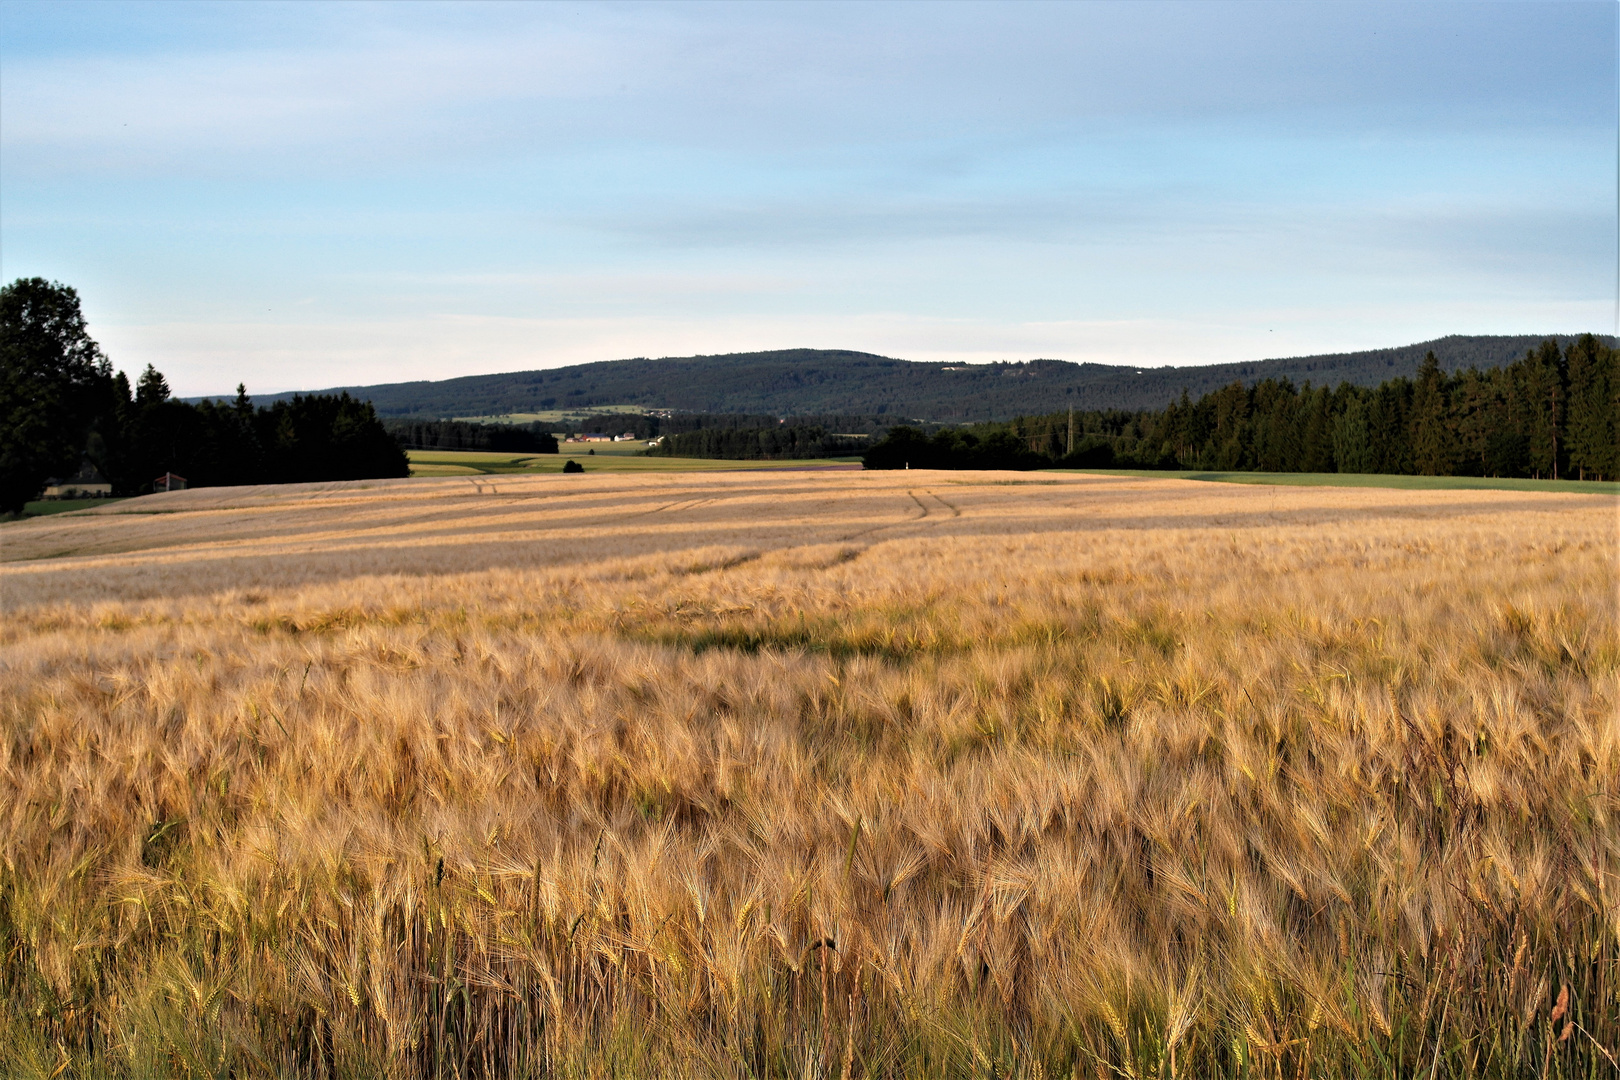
(309,195)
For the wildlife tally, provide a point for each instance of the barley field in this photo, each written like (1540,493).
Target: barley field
(811,775)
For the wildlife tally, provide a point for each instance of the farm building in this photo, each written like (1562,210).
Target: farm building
(86,483)
(169,482)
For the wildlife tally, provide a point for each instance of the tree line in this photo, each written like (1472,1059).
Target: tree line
(1554,413)
(742,444)
(651,425)
(62,404)
(469,435)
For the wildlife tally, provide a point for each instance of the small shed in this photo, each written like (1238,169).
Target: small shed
(169,482)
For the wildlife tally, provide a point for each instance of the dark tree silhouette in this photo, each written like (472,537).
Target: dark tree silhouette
(53,377)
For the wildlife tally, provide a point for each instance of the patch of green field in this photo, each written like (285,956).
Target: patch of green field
(552,416)
(437,469)
(40,507)
(1410,483)
(624,449)
(626,459)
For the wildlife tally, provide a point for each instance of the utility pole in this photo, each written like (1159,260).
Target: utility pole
(1070,450)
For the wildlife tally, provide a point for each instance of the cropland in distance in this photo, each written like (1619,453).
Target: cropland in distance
(619,458)
(811,774)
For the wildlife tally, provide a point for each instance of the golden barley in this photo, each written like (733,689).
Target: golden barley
(811,775)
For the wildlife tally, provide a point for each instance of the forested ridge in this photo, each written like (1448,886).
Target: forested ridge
(1552,413)
(651,425)
(806,382)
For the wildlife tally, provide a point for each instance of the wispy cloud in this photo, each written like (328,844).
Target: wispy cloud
(1183,169)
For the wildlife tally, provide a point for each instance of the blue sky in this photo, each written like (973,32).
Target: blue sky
(299,196)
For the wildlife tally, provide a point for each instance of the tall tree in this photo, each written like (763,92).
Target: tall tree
(162,435)
(1473,413)
(1353,448)
(1386,426)
(53,379)
(1545,407)
(1428,430)
(1275,440)
(1316,435)
(1594,410)
(1231,434)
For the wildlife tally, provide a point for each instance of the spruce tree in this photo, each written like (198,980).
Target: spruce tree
(1544,408)
(1387,409)
(1428,427)
(1592,430)
(1472,415)
(1352,435)
(1316,437)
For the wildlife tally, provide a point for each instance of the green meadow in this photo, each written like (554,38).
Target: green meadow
(41,507)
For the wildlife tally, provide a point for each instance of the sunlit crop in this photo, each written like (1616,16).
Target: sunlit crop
(753,776)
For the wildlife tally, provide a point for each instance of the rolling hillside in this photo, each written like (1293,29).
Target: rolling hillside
(803,381)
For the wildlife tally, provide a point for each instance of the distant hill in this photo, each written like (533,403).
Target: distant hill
(805,381)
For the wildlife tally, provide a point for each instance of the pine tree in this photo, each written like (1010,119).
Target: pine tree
(1592,429)
(1232,434)
(1545,407)
(1387,409)
(1472,406)
(152,388)
(1352,435)
(1276,427)
(1428,429)
(1317,435)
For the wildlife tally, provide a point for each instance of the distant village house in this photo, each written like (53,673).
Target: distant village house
(169,482)
(87,483)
